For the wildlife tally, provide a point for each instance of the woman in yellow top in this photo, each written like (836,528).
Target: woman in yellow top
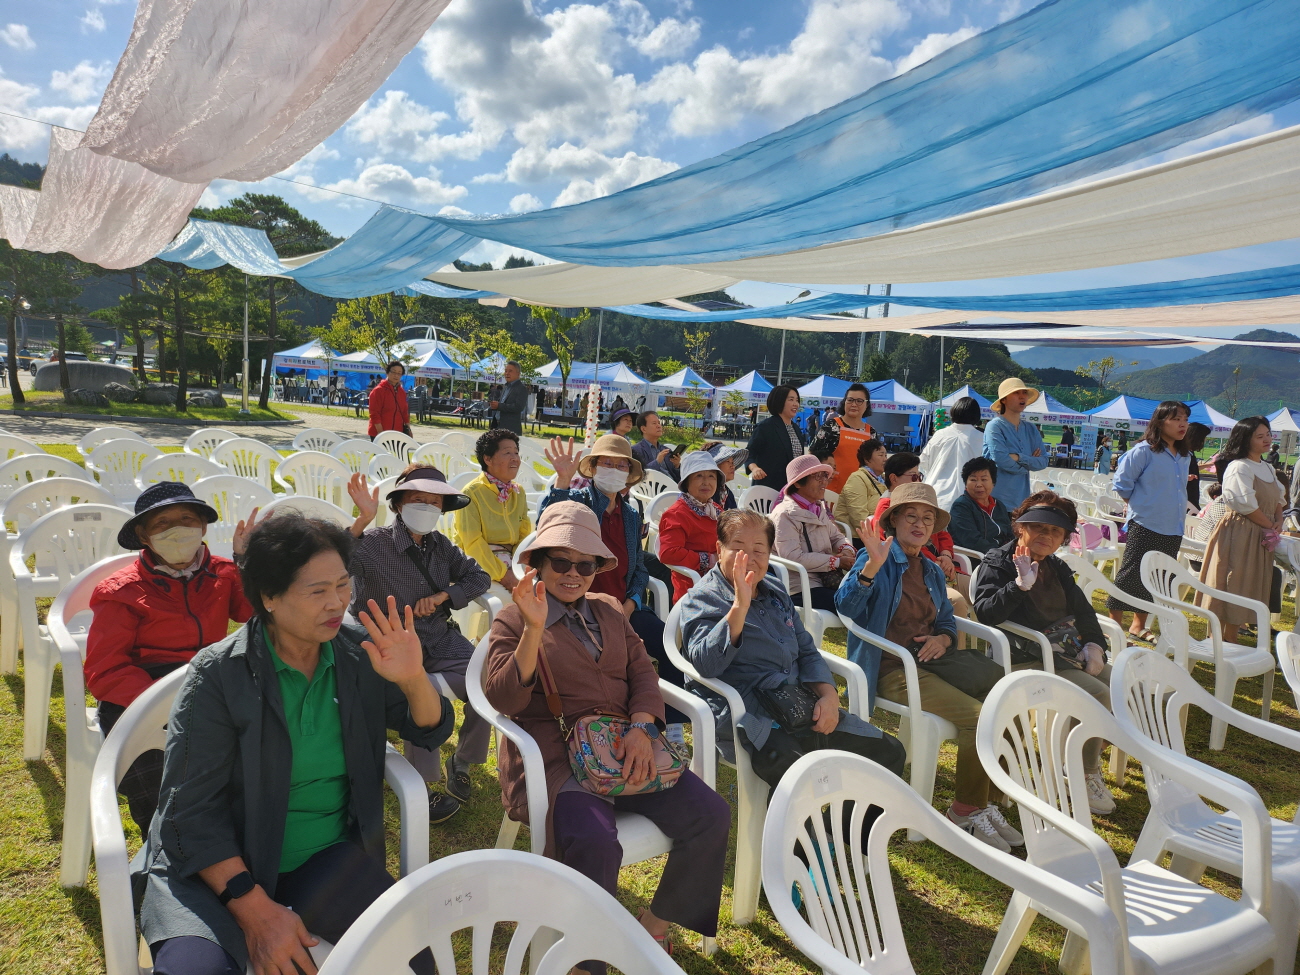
(843,435)
(864,487)
(496,519)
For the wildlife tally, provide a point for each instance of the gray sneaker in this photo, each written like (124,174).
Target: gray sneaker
(1004,829)
(979,826)
(1100,801)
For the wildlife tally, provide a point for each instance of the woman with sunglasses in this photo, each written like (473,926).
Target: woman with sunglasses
(598,665)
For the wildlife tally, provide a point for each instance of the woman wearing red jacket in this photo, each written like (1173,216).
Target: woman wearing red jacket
(388,409)
(688,530)
(154,615)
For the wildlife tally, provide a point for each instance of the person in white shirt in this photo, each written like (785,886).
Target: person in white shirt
(950,448)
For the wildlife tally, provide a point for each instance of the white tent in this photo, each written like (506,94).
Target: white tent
(1285,420)
(986,404)
(682,383)
(1047,409)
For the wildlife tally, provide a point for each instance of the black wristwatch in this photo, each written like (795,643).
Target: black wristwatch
(236,887)
(649,727)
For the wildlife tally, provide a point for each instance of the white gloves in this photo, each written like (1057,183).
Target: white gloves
(1094,659)
(1026,571)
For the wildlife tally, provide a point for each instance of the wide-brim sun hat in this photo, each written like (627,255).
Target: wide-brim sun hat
(568,524)
(161,495)
(430,480)
(1048,514)
(737,455)
(611,445)
(916,492)
(697,462)
(1009,386)
(803,466)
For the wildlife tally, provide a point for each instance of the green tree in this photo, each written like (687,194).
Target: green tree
(372,325)
(559,332)
(40,284)
(643,360)
(734,402)
(466,347)
(876,368)
(530,357)
(666,367)
(1101,370)
(699,350)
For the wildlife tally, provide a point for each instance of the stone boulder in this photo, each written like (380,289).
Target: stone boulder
(207,397)
(85,397)
(82,375)
(158,394)
(119,393)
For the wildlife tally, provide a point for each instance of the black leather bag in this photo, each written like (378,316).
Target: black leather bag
(790,706)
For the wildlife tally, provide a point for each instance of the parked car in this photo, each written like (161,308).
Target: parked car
(54,357)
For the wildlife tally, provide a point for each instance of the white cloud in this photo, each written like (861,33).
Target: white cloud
(82,83)
(17,36)
(397,124)
(931,46)
(209,199)
(20,134)
(93,21)
(524,202)
(670,38)
(395,184)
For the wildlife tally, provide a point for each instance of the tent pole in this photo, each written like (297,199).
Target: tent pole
(243,407)
(941,361)
(862,337)
(600,328)
(781,365)
(880,347)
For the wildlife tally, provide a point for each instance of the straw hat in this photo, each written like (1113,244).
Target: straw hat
(803,466)
(697,462)
(568,524)
(1009,386)
(915,492)
(610,445)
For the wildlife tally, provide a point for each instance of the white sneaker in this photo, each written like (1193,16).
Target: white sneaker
(980,827)
(1100,801)
(1004,829)
(676,734)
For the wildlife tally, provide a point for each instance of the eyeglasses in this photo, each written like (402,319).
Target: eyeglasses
(912,476)
(618,465)
(585,568)
(925,518)
(856,401)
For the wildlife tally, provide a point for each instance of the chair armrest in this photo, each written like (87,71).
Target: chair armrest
(689,573)
(490,603)
(969,553)
(1115,634)
(413,803)
(112,867)
(963,560)
(805,586)
(909,662)
(996,638)
(704,756)
(1044,647)
(855,680)
(659,592)
(534,766)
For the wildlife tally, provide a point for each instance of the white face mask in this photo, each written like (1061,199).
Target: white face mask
(177,546)
(610,480)
(421,518)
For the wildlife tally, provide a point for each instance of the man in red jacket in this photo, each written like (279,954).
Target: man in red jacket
(388,409)
(154,615)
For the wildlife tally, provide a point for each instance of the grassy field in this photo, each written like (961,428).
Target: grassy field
(53,403)
(950,911)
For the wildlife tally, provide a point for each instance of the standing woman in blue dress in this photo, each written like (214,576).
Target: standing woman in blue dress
(1152,478)
(1013,443)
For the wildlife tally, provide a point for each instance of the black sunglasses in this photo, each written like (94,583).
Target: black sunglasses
(585,568)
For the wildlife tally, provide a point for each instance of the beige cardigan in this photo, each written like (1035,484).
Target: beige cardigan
(804,538)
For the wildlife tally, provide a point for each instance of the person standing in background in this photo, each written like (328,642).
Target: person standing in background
(1103,454)
(949,449)
(647,451)
(841,436)
(1014,444)
(388,406)
(513,402)
(1196,434)
(777,440)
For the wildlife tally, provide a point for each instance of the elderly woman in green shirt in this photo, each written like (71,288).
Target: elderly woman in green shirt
(270,823)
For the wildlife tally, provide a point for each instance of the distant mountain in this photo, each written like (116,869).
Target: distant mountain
(1268,377)
(1043,356)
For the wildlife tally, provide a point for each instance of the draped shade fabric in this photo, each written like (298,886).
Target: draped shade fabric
(243,90)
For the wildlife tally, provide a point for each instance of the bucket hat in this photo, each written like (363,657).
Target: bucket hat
(916,492)
(568,524)
(1009,386)
(803,466)
(697,462)
(431,481)
(161,495)
(611,445)
(618,414)
(721,452)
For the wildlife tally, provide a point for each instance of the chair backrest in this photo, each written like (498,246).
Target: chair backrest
(314,474)
(176,467)
(87,444)
(464,443)
(397,443)
(656,508)
(518,567)
(1174,634)
(39,498)
(446,458)
(481,889)
(1288,658)
(117,463)
(23,469)
(245,457)
(314,438)
(384,466)
(234,498)
(355,454)
(654,483)
(461,481)
(758,498)
(68,541)
(308,507)
(74,599)
(384,514)
(204,442)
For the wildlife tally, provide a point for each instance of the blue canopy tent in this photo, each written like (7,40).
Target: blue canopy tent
(683,381)
(822,392)
(1133,413)
(986,404)
(753,387)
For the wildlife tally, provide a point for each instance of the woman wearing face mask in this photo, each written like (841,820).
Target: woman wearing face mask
(413,561)
(154,615)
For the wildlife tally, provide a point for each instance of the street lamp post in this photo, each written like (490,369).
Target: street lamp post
(243,408)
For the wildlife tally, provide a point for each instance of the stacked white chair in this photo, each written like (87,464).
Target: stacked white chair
(176,467)
(1149,694)
(397,443)
(1166,579)
(204,442)
(463,443)
(87,444)
(234,499)
(117,463)
(849,921)
(23,469)
(69,623)
(1288,658)
(447,459)
(63,543)
(758,498)
(384,466)
(11,447)
(20,510)
(314,474)
(143,727)
(314,438)
(308,507)
(1035,726)
(355,454)
(252,459)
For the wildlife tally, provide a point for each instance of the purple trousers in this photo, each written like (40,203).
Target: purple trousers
(692,815)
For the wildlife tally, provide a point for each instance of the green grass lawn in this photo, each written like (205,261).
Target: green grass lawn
(950,912)
(53,403)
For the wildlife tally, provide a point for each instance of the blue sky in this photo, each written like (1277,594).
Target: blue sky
(510,105)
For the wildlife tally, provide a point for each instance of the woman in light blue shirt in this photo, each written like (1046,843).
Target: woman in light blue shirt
(1152,478)
(1014,444)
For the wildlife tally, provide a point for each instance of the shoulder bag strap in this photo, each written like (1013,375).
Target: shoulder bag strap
(414,556)
(551,691)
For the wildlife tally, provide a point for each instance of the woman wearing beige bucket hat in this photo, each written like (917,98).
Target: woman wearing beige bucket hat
(598,665)
(1014,444)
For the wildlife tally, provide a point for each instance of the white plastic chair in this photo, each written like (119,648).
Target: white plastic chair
(143,727)
(117,464)
(653,483)
(1150,694)
(918,729)
(447,459)
(308,507)
(464,443)
(758,498)
(245,457)
(204,442)
(384,514)
(87,444)
(849,923)
(1165,578)
(12,446)
(22,508)
(656,507)
(816,621)
(314,438)
(234,498)
(1288,659)
(68,625)
(1036,725)
(23,469)
(63,543)
(481,889)
(751,791)
(639,838)
(313,474)
(176,467)
(384,466)
(461,481)
(355,454)
(397,443)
